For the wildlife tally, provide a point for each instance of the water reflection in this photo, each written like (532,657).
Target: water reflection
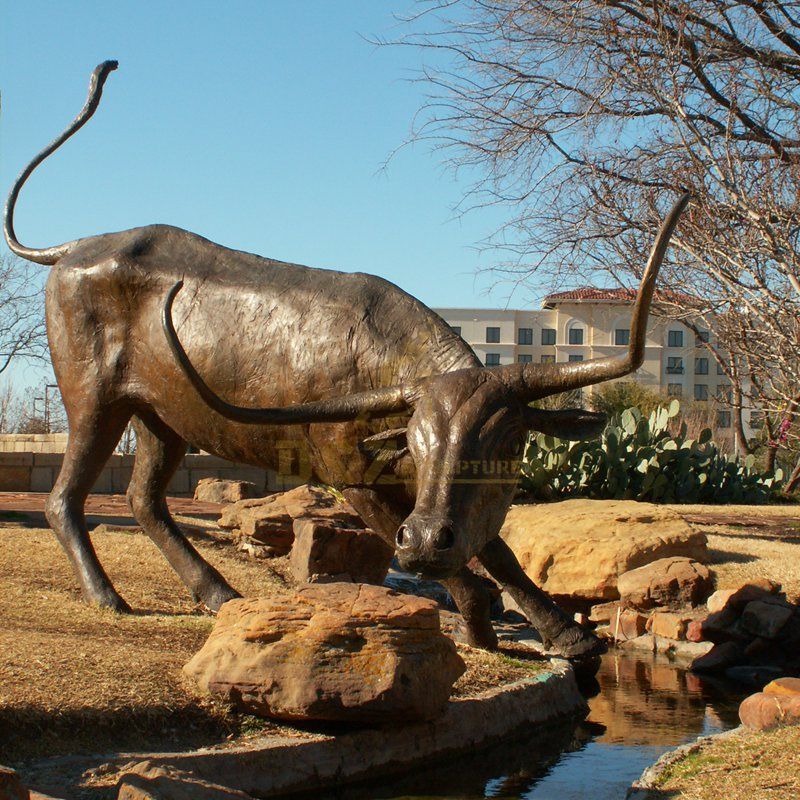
(641,707)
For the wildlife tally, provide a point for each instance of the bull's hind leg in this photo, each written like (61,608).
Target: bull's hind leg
(466,588)
(558,630)
(93,434)
(159,451)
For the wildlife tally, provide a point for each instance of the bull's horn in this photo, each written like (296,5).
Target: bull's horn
(375,403)
(541,380)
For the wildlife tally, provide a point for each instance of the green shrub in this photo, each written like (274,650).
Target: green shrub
(637,458)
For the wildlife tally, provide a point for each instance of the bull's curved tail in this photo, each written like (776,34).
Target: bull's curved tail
(50,255)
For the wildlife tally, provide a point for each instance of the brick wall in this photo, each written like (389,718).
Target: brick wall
(33,442)
(37,471)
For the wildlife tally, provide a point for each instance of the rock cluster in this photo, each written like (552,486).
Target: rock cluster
(777,705)
(752,625)
(660,598)
(325,538)
(334,651)
(264,527)
(578,549)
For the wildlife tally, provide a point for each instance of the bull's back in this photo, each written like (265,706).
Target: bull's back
(261,332)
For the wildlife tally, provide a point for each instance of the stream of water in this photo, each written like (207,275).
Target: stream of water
(642,706)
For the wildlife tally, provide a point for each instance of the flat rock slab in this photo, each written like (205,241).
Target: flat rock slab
(334,651)
(273,767)
(577,549)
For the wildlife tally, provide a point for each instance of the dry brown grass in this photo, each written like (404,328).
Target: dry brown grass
(749,542)
(75,679)
(750,766)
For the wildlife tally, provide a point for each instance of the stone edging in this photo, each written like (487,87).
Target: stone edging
(277,766)
(640,789)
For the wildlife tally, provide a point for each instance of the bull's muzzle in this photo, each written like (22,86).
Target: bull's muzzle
(428,545)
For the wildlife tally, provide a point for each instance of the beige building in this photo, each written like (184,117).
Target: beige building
(590,323)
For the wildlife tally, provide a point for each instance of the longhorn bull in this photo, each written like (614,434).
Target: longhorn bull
(335,363)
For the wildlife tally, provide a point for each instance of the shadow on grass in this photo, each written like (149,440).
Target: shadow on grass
(729,557)
(30,733)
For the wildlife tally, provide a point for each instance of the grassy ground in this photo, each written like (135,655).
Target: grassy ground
(749,766)
(74,679)
(749,542)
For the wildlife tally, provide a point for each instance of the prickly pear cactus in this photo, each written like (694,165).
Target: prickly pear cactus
(637,458)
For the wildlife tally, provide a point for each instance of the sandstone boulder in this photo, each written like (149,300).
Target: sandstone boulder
(11,786)
(719,658)
(217,490)
(669,624)
(147,782)
(579,548)
(632,624)
(335,651)
(605,613)
(323,549)
(766,618)
(735,599)
(788,687)
(763,711)
(676,581)
(263,527)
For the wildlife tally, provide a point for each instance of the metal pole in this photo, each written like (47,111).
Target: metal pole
(47,405)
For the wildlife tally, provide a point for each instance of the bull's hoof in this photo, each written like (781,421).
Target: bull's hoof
(576,643)
(482,637)
(109,599)
(214,598)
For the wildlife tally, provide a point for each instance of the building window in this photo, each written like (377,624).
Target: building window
(456,329)
(675,365)
(701,366)
(575,336)
(492,359)
(756,419)
(548,335)
(702,337)
(622,336)
(575,357)
(675,339)
(724,418)
(525,336)
(524,358)
(675,389)
(701,391)
(548,359)
(724,393)
(492,335)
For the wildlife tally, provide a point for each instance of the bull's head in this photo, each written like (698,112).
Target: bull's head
(466,429)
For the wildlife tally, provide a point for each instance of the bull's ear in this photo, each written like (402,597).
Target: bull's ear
(569,423)
(388,445)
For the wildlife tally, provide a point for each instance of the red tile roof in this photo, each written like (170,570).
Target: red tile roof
(592,293)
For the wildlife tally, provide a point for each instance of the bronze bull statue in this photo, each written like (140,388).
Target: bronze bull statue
(338,365)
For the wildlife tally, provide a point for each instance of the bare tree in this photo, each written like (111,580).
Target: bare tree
(22,327)
(585,117)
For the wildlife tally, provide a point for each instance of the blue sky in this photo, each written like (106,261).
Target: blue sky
(262,125)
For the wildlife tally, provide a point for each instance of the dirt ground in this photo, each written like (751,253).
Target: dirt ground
(75,679)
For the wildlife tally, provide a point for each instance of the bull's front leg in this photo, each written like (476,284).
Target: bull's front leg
(560,633)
